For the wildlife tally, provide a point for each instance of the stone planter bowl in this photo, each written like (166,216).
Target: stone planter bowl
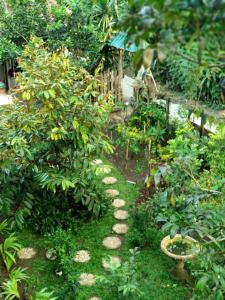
(178,237)
(179,272)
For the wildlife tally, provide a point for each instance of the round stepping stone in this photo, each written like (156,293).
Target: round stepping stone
(26,253)
(87,279)
(117,203)
(94,298)
(121,214)
(97,162)
(51,254)
(112,242)
(109,180)
(112,193)
(104,170)
(111,260)
(82,256)
(120,228)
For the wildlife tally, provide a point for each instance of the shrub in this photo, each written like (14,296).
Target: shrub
(49,137)
(143,232)
(123,280)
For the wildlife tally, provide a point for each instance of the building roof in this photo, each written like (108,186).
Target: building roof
(121,41)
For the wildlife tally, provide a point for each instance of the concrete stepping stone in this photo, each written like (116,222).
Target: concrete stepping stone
(26,253)
(112,193)
(111,260)
(87,279)
(112,242)
(118,203)
(97,162)
(51,254)
(121,214)
(120,228)
(82,256)
(109,180)
(104,170)
(95,298)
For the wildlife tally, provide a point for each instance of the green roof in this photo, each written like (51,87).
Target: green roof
(121,41)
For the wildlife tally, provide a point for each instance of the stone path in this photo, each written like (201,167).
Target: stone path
(26,253)
(111,242)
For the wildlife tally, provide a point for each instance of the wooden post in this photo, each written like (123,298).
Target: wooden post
(120,74)
(127,154)
(202,126)
(167,113)
(6,76)
(111,82)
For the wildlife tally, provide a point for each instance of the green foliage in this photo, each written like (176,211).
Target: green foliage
(8,249)
(72,24)
(11,286)
(189,201)
(64,247)
(147,126)
(142,232)
(188,36)
(49,137)
(209,273)
(216,153)
(180,73)
(8,49)
(44,295)
(122,280)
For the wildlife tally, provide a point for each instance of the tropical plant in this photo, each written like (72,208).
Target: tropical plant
(44,294)
(64,249)
(8,249)
(108,12)
(122,279)
(11,286)
(142,231)
(188,33)
(209,273)
(216,153)
(52,133)
(180,73)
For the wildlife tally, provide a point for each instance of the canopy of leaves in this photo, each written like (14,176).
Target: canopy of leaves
(48,137)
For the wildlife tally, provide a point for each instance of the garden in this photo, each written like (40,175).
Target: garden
(106,192)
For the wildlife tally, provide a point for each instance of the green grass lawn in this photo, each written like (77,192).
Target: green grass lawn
(153,266)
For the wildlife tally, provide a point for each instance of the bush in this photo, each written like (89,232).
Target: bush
(143,232)
(198,83)
(64,247)
(48,139)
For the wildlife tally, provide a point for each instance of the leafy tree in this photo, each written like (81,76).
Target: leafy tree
(49,136)
(61,23)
